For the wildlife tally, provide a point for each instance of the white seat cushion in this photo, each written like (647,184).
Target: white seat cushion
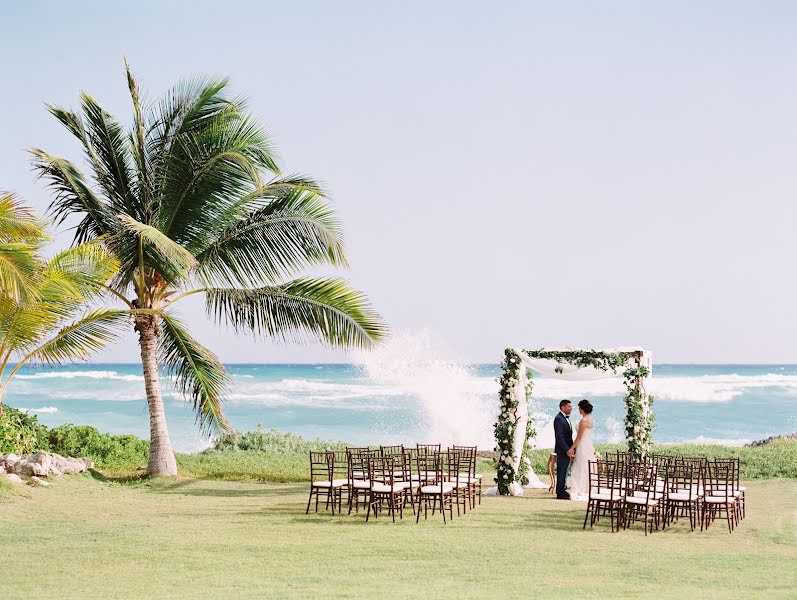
(604,497)
(362,485)
(334,483)
(681,496)
(635,500)
(653,496)
(719,500)
(382,488)
(436,489)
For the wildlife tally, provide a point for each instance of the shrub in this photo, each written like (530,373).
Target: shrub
(273,441)
(103,448)
(21,433)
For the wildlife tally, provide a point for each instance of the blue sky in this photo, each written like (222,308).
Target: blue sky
(586,174)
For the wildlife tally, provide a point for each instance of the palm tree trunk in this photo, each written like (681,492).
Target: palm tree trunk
(161,456)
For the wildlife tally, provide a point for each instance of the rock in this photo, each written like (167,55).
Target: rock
(2,469)
(41,463)
(88,462)
(38,482)
(14,478)
(774,438)
(10,460)
(23,467)
(67,465)
(55,471)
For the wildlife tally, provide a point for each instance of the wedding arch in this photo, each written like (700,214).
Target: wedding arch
(515,424)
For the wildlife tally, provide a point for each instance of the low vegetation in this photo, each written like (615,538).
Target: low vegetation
(281,457)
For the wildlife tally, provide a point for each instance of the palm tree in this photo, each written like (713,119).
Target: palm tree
(39,299)
(189,201)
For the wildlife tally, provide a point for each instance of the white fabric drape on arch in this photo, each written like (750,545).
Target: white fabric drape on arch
(568,372)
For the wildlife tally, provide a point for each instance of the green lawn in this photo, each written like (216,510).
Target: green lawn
(84,537)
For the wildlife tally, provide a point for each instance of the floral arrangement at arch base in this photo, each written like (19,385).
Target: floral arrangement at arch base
(638,421)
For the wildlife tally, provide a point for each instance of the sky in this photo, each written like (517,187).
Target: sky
(508,174)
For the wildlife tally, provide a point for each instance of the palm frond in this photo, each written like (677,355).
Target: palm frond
(20,267)
(18,223)
(210,170)
(179,258)
(198,372)
(138,143)
(89,266)
(271,244)
(310,309)
(112,157)
(73,196)
(78,340)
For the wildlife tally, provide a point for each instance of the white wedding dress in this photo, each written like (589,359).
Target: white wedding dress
(579,470)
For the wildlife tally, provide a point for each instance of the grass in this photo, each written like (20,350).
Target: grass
(91,537)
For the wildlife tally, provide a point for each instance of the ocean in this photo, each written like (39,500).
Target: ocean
(416,400)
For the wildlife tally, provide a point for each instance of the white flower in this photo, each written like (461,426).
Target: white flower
(630,438)
(511,360)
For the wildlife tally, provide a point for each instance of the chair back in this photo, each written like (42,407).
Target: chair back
(720,479)
(321,466)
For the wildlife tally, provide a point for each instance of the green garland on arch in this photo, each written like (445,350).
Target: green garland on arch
(639,416)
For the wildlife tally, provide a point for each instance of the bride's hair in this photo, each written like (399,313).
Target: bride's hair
(585,406)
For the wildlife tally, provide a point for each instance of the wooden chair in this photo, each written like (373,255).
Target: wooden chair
(605,495)
(684,494)
(384,488)
(358,476)
(322,480)
(436,490)
(642,500)
(720,494)
(468,473)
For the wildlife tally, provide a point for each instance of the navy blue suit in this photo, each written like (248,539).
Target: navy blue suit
(563,433)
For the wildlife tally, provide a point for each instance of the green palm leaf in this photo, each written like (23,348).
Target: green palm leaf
(198,372)
(78,340)
(275,242)
(301,310)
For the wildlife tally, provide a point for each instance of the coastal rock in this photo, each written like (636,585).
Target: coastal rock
(14,478)
(41,463)
(55,471)
(68,465)
(23,467)
(10,460)
(774,438)
(35,481)
(88,462)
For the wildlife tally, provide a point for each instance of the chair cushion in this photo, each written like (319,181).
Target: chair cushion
(334,483)
(382,488)
(604,497)
(362,485)
(635,500)
(436,489)
(719,500)
(681,496)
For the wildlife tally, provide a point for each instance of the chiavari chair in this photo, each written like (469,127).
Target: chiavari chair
(642,500)
(322,480)
(384,488)
(438,491)
(358,476)
(605,495)
(684,493)
(720,494)
(477,477)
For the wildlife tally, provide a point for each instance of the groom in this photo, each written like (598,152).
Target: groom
(563,431)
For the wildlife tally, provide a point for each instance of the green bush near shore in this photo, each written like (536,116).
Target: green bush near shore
(21,433)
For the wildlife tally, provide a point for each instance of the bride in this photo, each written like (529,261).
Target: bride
(585,452)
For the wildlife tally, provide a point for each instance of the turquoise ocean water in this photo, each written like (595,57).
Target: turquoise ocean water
(442,402)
